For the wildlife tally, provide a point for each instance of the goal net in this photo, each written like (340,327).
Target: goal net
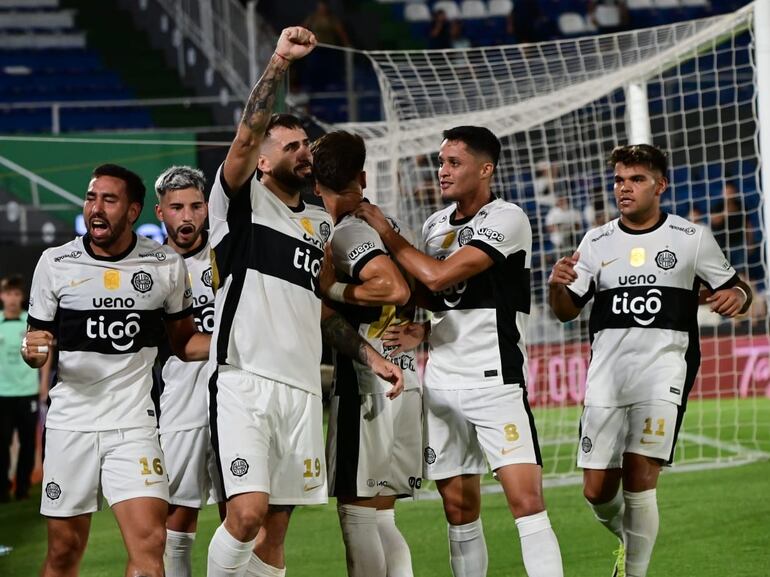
(559,108)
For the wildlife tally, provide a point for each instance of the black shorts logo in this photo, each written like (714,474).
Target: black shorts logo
(666,260)
(142,281)
(239,467)
(430,456)
(370,483)
(52,491)
(586,445)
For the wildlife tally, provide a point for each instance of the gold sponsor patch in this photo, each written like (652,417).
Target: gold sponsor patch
(307,225)
(112,279)
(214,271)
(449,239)
(638,256)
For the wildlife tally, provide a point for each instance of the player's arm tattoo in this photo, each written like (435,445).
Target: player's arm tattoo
(259,107)
(339,334)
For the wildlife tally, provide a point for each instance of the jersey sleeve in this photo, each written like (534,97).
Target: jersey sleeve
(354,245)
(711,266)
(178,303)
(503,233)
(43,298)
(583,287)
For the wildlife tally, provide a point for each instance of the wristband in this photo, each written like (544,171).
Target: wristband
(336,292)
(743,292)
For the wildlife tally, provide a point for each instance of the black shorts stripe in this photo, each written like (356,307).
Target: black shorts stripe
(532,427)
(214,429)
(347,441)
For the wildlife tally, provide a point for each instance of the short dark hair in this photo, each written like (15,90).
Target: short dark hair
(178,178)
(134,185)
(284,120)
(478,139)
(12,282)
(640,154)
(338,158)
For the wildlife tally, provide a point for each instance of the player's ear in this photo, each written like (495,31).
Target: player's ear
(487,169)
(134,210)
(316,189)
(263,164)
(362,179)
(661,186)
(158,213)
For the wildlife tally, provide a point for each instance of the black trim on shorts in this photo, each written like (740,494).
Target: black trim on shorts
(214,430)
(348,430)
(692,361)
(532,427)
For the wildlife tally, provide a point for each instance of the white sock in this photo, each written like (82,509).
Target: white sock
(640,523)
(363,548)
(258,568)
(539,547)
(177,558)
(610,514)
(227,555)
(468,550)
(397,556)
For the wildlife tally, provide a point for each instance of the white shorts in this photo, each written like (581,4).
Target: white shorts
(268,438)
(80,467)
(648,429)
(374,445)
(193,476)
(464,425)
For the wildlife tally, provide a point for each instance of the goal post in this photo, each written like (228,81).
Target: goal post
(559,108)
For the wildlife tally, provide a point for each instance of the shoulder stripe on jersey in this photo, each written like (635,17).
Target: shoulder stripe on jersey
(491,251)
(358,267)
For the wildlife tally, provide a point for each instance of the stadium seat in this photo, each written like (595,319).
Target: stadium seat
(639,4)
(695,3)
(416,12)
(500,7)
(666,4)
(450,8)
(572,23)
(607,16)
(473,9)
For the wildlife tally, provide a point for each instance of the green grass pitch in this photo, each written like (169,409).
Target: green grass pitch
(714,522)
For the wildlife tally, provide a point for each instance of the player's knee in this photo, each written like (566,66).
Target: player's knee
(66,550)
(524,505)
(599,494)
(460,511)
(244,523)
(153,540)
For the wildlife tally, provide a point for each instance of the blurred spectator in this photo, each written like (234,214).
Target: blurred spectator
(697,216)
(456,37)
(547,183)
(563,224)
(328,29)
(732,229)
(20,390)
(528,23)
(596,211)
(439,31)
(608,15)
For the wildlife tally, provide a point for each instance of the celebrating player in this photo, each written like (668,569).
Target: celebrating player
(104,300)
(374,445)
(265,396)
(475,397)
(183,417)
(643,271)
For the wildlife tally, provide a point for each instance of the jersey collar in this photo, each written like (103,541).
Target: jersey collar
(201,246)
(117,257)
(656,226)
(458,221)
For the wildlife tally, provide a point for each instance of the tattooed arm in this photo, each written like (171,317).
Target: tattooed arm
(340,335)
(241,162)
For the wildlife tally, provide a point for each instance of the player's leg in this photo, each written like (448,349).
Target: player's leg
(240,438)
(26,426)
(67,540)
(297,472)
(455,461)
(506,430)
(181,528)
(142,522)
(7,406)
(652,431)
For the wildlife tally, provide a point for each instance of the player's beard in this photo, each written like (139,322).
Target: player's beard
(191,238)
(291,179)
(115,230)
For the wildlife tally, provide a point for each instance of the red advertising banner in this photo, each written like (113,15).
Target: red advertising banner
(730,367)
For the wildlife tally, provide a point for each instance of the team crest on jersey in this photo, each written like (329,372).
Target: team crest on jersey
(638,257)
(430,455)
(465,236)
(239,467)
(325,231)
(142,281)
(111,279)
(307,224)
(52,491)
(206,277)
(665,259)
(586,445)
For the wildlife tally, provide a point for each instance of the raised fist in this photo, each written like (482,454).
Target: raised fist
(295,43)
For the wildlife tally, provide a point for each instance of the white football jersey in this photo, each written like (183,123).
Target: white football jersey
(107,314)
(643,324)
(479,325)
(184,385)
(267,257)
(354,244)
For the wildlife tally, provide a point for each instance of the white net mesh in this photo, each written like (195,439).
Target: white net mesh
(559,108)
